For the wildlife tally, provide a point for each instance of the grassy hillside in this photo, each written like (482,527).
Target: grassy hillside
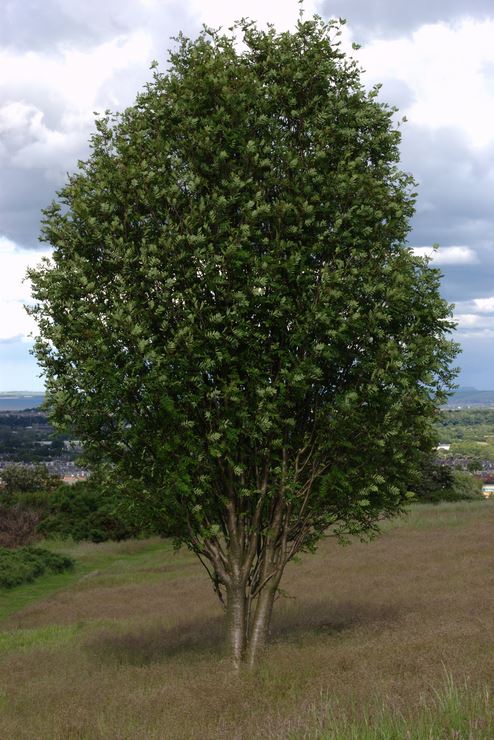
(391,639)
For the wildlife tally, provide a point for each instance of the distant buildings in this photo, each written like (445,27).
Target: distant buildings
(76,477)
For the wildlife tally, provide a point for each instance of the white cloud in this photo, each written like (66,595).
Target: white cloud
(223,13)
(15,291)
(484,304)
(77,75)
(448,255)
(77,80)
(29,143)
(474,321)
(472,327)
(446,69)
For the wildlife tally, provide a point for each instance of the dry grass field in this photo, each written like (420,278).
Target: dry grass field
(391,639)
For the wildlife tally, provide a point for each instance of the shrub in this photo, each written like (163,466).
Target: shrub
(18,526)
(17,478)
(27,563)
(437,483)
(85,511)
(465,486)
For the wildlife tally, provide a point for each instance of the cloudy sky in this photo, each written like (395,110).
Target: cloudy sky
(61,60)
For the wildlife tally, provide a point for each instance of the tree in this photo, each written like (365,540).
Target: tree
(18,478)
(435,482)
(231,322)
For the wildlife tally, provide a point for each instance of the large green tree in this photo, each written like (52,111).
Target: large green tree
(230,320)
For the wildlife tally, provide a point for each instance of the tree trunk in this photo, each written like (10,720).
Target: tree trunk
(261,624)
(237,626)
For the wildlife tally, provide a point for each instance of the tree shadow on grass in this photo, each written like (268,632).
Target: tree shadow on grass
(155,644)
(318,617)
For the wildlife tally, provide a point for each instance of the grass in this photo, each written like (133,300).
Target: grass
(20,640)
(391,639)
(90,561)
(450,712)
(447,514)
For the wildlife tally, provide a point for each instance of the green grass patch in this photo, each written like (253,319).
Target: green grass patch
(40,637)
(451,711)
(442,515)
(13,600)
(108,562)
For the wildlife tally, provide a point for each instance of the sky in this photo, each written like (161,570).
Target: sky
(63,60)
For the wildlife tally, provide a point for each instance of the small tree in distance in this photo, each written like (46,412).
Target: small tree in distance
(18,478)
(231,321)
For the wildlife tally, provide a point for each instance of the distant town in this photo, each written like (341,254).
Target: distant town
(26,437)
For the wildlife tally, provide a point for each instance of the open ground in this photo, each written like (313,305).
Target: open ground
(389,639)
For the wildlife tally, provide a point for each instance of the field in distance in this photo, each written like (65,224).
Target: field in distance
(390,639)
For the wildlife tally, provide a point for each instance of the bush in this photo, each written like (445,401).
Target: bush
(35,500)
(17,478)
(85,511)
(27,563)
(437,483)
(465,486)
(18,526)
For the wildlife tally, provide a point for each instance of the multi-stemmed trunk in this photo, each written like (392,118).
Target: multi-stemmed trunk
(246,562)
(249,607)
(248,634)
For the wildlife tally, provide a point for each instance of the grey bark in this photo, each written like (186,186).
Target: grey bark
(236,604)
(261,625)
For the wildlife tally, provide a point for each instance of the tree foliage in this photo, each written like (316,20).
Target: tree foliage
(85,511)
(435,482)
(18,478)
(231,321)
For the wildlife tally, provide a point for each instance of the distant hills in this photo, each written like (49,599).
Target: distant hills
(468,396)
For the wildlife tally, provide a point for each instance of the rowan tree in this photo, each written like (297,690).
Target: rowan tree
(231,320)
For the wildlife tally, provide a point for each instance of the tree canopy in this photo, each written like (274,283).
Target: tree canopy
(437,482)
(231,321)
(19,478)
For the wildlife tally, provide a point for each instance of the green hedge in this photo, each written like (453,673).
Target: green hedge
(82,511)
(27,563)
